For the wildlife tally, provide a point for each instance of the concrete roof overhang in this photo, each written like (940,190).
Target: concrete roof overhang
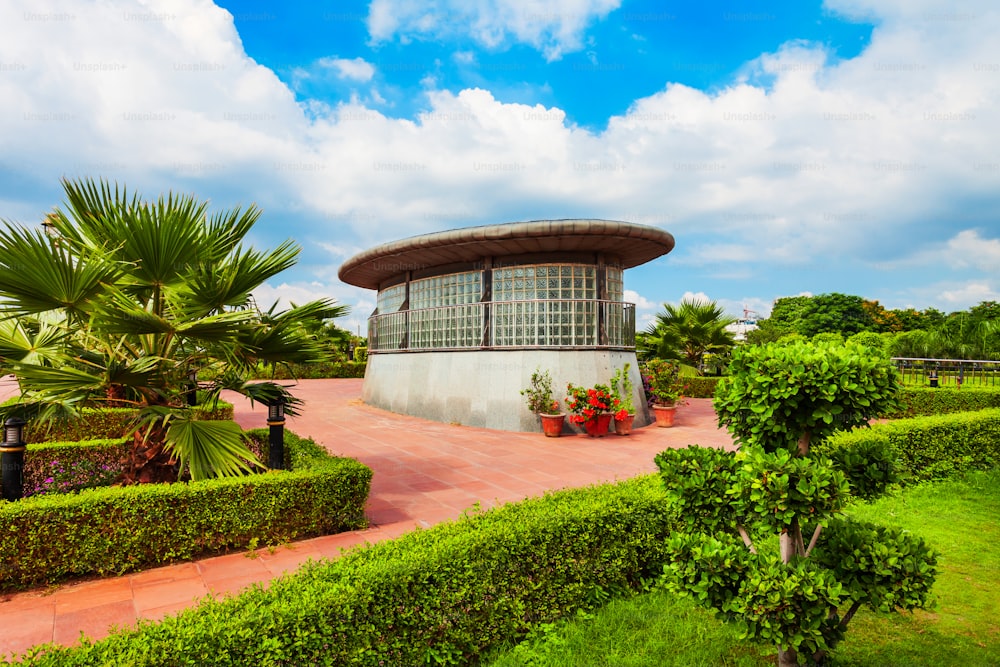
(630,243)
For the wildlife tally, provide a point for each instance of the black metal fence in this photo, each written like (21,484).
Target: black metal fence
(948,372)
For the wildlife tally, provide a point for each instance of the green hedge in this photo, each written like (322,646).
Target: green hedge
(700,387)
(440,596)
(333,369)
(106,531)
(942,400)
(103,423)
(60,467)
(933,447)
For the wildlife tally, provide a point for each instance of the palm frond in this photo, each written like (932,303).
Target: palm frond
(39,275)
(209,448)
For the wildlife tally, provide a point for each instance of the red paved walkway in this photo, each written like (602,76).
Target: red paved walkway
(425,473)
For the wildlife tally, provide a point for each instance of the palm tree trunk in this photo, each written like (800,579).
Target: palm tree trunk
(149,462)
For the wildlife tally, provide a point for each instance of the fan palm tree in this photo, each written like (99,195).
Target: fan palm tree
(687,332)
(123,302)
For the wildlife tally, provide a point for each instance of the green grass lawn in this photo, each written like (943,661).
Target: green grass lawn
(959,518)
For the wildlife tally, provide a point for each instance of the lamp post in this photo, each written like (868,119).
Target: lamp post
(12,459)
(192,393)
(276,434)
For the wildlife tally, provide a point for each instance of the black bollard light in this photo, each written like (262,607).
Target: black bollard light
(192,392)
(12,458)
(276,434)
(933,379)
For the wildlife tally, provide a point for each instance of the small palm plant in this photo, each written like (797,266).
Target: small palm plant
(126,302)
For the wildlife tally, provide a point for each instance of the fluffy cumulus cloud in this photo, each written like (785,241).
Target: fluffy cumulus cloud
(554,28)
(802,160)
(354,69)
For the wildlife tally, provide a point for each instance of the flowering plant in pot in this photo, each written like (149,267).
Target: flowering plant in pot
(621,388)
(540,401)
(591,407)
(665,389)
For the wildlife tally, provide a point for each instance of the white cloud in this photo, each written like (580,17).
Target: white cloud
(355,69)
(552,28)
(969,294)
(819,162)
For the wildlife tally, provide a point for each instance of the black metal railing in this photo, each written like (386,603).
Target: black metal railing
(948,372)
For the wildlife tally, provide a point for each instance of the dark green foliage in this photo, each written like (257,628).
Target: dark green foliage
(700,387)
(709,568)
(698,481)
(776,489)
(113,530)
(72,466)
(440,596)
(98,423)
(361,354)
(777,392)
(868,464)
(916,401)
(332,369)
(790,605)
(886,568)
(932,447)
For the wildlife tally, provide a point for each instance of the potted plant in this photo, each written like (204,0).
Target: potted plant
(621,387)
(540,401)
(665,389)
(593,408)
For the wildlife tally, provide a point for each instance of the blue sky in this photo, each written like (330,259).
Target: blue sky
(799,147)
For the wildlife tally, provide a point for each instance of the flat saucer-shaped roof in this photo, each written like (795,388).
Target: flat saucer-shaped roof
(632,244)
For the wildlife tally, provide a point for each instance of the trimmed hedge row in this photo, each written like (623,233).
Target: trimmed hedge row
(333,369)
(932,447)
(943,400)
(113,530)
(700,387)
(439,596)
(99,423)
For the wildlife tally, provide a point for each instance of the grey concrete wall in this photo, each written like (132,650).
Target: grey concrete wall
(482,387)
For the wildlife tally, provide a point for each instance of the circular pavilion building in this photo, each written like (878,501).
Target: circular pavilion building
(463,317)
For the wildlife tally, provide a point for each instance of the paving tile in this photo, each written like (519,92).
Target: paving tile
(95,622)
(181,591)
(92,594)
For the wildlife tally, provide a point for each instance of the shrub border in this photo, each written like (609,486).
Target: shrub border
(437,596)
(106,531)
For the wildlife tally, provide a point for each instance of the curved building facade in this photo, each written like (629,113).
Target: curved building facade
(464,317)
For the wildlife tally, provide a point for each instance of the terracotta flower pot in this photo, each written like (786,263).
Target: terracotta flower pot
(664,415)
(552,425)
(624,426)
(598,426)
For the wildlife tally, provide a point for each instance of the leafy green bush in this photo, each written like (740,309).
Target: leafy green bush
(700,387)
(918,401)
(113,530)
(931,447)
(440,596)
(332,369)
(361,354)
(779,401)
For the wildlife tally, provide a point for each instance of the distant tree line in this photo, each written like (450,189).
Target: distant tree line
(901,332)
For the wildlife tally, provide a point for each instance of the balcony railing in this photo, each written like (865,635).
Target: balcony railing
(538,323)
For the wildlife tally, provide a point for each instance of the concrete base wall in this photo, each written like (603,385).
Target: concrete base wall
(482,387)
